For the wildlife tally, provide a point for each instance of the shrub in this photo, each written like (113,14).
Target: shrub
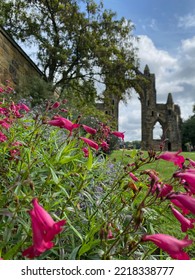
(61,198)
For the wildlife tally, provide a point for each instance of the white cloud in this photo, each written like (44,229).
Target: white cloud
(187,21)
(173,74)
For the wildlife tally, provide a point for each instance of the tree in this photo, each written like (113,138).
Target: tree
(188,132)
(78,43)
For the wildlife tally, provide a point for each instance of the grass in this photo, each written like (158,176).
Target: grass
(164,168)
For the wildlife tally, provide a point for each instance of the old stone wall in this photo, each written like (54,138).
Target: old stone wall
(15,65)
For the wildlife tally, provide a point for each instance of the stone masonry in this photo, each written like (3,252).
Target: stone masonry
(15,65)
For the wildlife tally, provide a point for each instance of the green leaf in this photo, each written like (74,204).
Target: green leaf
(54,176)
(90,160)
(72,227)
(9,255)
(73,254)
(87,246)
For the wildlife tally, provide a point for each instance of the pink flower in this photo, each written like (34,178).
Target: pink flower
(165,190)
(133,177)
(189,178)
(174,157)
(39,244)
(179,205)
(110,235)
(187,201)
(22,106)
(55,105)
(90,142)
(104,145)
(4,123)
(63,123)
(192,162)
(3,138)
(171,245)
(185,222)
(118,134)
(86,152)
(50,227)
(89,129)
(44,230)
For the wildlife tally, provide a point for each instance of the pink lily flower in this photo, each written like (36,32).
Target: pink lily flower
(90,142)
(174,157)
(185,222)
(118,134)
(89,129)
(171,245)
(187,201)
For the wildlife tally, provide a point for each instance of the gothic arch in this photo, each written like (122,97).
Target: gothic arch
(168,115)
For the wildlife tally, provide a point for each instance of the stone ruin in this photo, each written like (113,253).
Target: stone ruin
(168,115)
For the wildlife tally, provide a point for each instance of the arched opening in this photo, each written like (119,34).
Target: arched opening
(130,118)
(157,131)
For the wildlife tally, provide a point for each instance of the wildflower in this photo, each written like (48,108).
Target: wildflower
(55,105)
(39,244)
(24,107)
(189,178)
(4,123)
(63,123)
(179,205)
(3,138)
(192,162)
(165,190)
(50,227)
(187,201)
(185,222)
(171,245)
(133,177)
(89,129)
(90,142)
(44,230)
(104,145)
(118,134)
(110,235)
(174,157)
(86,151)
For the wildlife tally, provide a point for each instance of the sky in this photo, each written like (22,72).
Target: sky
(166,31)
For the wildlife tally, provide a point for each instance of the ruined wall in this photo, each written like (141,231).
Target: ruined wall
(15,65)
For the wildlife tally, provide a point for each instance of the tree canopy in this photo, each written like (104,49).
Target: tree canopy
(78,43)
(188,131)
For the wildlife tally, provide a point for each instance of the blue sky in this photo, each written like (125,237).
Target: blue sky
(166,29)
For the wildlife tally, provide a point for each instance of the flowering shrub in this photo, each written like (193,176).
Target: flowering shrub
(61,199)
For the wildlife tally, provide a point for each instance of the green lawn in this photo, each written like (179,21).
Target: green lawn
(164,168)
